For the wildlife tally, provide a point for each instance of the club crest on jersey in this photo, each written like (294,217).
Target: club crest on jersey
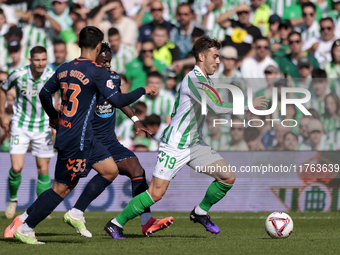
(110,84)
(105,110)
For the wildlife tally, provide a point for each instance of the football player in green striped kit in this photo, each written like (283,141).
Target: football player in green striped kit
(30,124)
(182,144)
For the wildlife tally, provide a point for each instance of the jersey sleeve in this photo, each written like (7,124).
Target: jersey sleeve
(212,100)
(45,95)
(12,80)
(109,90)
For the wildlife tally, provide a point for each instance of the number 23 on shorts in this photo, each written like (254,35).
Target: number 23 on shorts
(169,161)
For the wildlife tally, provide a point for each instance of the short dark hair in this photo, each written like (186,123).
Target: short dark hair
(105,48)
(79,20)
(204,43)
(294,33)
(89,37)
(113,31)
(59,41)
(251,134)
(197,32)
(153,119)
(308,4)
(2,11)
(40,7)
(155,74)
(261,38)
(185,4)
(319,74)
(139,107)
(147,41)
(326,19)
(290,133)
(161,27)
(37,50)
(335,44)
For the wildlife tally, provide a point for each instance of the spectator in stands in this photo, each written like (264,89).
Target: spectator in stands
(122,54)
(60,13)
(333,68)
(162,102)
(146,30)
(241,33)
(288,62)
(139,11)
(14,51)
(303,131)
(215,138)
(260,15)
(336,5)
(274,31)
(281,48)
(80,12)
(310,29)
(294,13)
(155,125)
(171,81)
(254,67)
(266,134)
(141,144)
(181,35)
(214,9)
(253,139)
(165,50)
(271,73)
(237,142)
(290,141)
(124,131)
(38,34)
(124,86)
(330,119)
(127,27)
(60,54)
(305,69)
(3,45)
(3,24)
(138,69)
(73,50)
(320,88)
(322,46)
(280,132)
(9,11)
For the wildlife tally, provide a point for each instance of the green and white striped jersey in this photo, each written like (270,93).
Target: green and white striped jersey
(125,130)
(170,8)
(9,68)
(326,144)
(218,145)
(124,56)
(214,30)
(161,105)
(330,124)
(29,113)
(278,6)
(185,128)
(34,36)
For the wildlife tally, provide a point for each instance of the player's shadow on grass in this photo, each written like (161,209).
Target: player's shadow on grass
(54,234)
(163,236)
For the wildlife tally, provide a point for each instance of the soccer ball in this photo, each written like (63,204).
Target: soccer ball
(279,225)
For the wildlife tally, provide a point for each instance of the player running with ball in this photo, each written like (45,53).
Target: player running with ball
(182,144)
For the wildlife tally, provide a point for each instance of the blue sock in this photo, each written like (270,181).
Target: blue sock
(43,206)
(92,190)
(140,185)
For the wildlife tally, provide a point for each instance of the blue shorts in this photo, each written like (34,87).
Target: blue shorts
(71,165)
(116,150)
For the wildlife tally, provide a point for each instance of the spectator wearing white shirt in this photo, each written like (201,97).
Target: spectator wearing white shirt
(336,4)
(323,45)
(10,13)
(14,51)
(254,67)
(309,30)
(3,30)
(127,27)
(60,13)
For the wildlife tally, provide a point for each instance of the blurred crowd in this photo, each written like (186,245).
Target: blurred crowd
(266,44)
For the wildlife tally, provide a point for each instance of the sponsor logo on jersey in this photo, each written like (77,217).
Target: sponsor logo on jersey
(33,93)
(109,84)
(114,76)
(105,110)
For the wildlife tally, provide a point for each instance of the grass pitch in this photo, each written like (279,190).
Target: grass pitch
(241,233)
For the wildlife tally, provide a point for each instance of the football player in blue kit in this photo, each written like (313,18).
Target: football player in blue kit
(103,125)
(81,81)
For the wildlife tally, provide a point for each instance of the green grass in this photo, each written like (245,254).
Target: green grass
(241,233)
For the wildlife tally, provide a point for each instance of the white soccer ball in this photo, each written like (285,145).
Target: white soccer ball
(279,225)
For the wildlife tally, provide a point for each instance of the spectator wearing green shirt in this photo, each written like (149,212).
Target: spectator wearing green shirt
(288,63)
(138,69)
(294,13)
(330,119)
(281,48)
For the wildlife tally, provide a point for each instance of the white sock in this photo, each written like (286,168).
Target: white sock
(114,221)
(23,216)
(13,199)
(76,213)
(25,229)
(200,211)
(145,217)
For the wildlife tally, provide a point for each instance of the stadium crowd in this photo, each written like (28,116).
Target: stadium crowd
(265,45)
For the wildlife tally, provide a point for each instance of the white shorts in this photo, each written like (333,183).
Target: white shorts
(41,142)
(171,160)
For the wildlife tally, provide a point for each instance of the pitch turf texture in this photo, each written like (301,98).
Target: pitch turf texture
(241,233)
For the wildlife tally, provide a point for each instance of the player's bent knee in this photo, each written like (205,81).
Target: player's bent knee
(16,169)
(228,181)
